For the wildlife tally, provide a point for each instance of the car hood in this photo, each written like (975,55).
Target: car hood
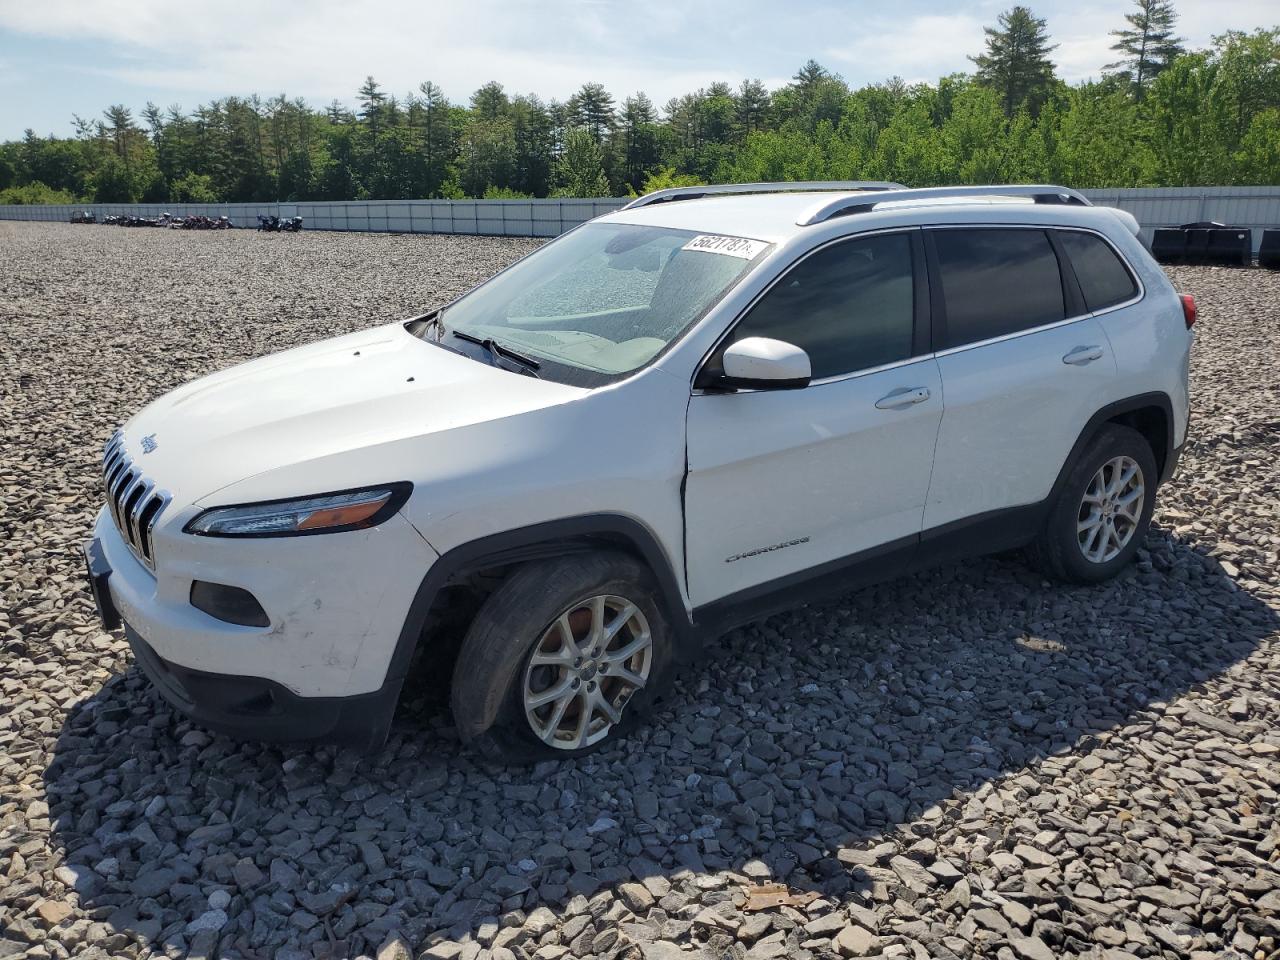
(338,396)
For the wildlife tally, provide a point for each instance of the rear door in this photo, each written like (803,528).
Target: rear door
(1023,365)
(781,482)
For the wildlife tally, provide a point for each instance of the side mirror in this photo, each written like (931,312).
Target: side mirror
(761,363)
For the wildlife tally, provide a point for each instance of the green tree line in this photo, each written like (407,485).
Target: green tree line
(1160,116)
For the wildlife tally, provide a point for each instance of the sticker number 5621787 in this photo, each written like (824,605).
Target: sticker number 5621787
(739,247)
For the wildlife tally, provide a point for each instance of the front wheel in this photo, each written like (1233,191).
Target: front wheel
(1101,514)
(563,658)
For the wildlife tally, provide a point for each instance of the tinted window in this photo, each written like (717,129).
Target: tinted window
(997,282)
(1104,280)
(850,306)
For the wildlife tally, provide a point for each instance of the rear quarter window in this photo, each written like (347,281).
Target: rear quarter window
(997,281)
(1104,278)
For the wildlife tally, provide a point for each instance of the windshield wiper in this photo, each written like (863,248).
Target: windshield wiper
(500,350)
(421,328)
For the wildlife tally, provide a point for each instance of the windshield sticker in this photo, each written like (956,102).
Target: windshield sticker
(739,247)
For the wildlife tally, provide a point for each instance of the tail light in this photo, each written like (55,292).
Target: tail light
(1188,309)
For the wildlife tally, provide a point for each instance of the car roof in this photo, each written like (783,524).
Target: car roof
(759,216)
(777,217)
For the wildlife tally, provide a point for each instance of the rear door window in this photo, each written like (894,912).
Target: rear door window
(1104,279)
(996,282)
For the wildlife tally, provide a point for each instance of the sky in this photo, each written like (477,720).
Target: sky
(64,57)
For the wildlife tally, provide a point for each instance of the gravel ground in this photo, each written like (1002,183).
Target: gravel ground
(972,763)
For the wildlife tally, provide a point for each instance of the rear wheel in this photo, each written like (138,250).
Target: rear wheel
(1101,514)
(564,657)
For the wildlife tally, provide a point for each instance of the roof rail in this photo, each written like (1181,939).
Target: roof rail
(844,206)
(794,186)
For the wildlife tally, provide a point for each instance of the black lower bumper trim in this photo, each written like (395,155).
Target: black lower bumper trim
(98,572)
(260,709)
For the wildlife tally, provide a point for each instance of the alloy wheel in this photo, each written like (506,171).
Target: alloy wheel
(587,664)
(1111,509)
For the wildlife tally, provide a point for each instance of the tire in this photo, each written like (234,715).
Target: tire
(530,613)
(1060,549)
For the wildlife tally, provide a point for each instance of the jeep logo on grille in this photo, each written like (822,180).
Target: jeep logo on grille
(149,443)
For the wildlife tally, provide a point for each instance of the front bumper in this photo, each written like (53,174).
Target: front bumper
(320,671)
(260,709)
(242,706)
(336,604)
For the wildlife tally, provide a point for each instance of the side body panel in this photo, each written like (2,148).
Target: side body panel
(617,451)
(1014,409)
(1150,338)
(781,481)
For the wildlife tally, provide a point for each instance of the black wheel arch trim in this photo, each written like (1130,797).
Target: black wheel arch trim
(1119,408)
(541,541)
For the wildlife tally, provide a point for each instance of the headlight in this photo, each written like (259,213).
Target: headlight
(325,513)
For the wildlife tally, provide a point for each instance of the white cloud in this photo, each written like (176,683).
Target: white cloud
(325,48)
(920,48)
(168,50)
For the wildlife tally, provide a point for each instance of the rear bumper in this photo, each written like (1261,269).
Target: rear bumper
(260,709)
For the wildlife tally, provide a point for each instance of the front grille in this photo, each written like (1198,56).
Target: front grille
(133,500)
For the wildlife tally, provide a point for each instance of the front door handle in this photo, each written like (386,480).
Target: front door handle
(1082,355)
(903,397)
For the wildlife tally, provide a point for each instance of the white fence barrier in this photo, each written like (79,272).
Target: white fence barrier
(500,218)
(1253,207)
(1257,208)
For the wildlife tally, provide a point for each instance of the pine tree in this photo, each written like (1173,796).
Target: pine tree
(437,137)
(638,129)
(337,113)
(1148,44)
(119,124)
(531,125)
(155,120)
(592,108)
(809,77)
(815,94)
(1016,64)
(490,102)
(372,101)
(752,103)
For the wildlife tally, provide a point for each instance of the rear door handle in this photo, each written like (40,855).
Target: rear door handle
(1082,355)
(903,397)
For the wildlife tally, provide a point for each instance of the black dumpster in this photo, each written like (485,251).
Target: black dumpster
(1205,241)
(1231,246)
(1197,244)
(1269,252)
(1169,245)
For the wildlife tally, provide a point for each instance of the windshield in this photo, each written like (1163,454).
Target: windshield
(603,300)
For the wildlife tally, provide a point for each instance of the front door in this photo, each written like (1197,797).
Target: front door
(784,481)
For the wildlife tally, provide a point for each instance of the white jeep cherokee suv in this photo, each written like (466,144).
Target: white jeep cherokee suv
(668,421)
